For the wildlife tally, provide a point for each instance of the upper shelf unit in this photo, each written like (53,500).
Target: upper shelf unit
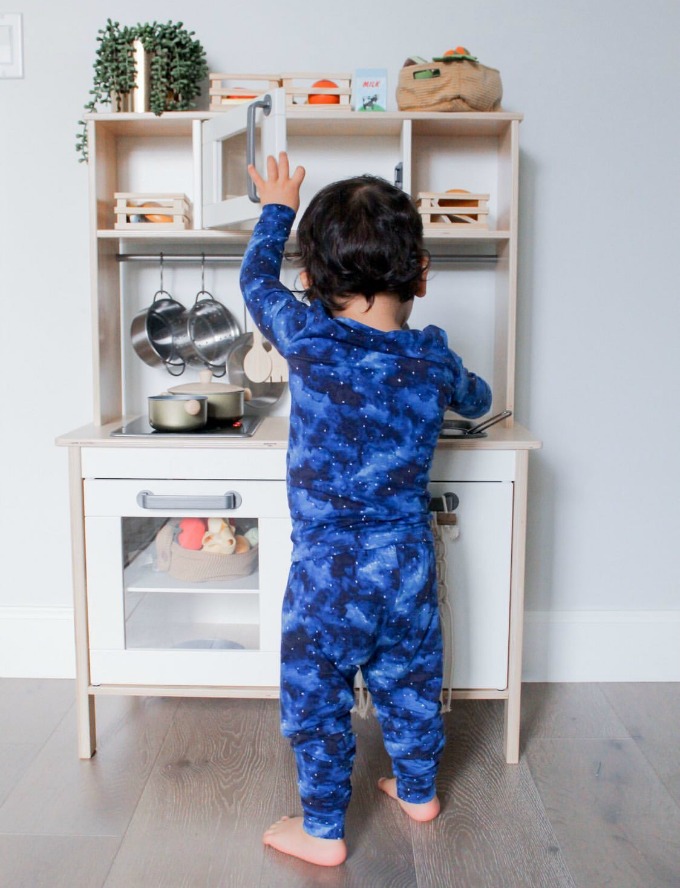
(203,155)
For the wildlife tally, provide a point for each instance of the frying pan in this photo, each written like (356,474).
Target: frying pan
(465,428)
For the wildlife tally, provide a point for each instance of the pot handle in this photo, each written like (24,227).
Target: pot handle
(175,369)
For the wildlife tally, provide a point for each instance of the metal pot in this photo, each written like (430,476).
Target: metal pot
(209,331)
(225,402)
(178,413)
(154,331)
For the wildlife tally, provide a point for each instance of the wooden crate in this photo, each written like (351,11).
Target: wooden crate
(299,88)
(227,90)
(131,205)
(453,209)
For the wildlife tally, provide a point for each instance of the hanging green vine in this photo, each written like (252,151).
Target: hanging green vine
(177,67)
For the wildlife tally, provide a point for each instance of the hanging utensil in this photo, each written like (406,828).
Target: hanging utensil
(154,331)
(257,362)
(209,332)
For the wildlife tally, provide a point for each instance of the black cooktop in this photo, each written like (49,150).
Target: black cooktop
(140,428)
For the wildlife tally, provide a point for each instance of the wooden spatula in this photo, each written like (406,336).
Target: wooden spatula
(257,364)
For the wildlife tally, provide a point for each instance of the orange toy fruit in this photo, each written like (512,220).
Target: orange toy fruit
(459,50)
(156,217)
(320,98)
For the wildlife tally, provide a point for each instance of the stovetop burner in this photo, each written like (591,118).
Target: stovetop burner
(140,428)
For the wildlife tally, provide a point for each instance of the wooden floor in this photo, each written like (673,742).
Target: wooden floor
(181,790)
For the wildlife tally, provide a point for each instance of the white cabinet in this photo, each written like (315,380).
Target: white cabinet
(139,630)
(477,579)
(160,614)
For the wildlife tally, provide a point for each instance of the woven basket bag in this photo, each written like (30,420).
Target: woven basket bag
(196,566)
(454,86)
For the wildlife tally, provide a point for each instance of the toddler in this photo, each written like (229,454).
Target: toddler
(368,396)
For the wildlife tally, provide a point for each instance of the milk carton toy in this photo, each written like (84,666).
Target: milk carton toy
(369,91)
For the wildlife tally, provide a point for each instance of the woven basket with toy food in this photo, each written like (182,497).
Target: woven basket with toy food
(455,81)
(196,550)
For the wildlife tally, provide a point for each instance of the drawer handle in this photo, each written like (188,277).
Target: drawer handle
(224,502)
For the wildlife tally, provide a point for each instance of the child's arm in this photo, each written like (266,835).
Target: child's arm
(272,306)
(471,394)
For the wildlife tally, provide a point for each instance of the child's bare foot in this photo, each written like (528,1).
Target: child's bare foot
(422,811)
(287,835)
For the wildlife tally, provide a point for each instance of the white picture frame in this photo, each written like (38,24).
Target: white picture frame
(11,46)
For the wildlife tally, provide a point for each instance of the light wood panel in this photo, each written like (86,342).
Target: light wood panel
(213,791)
(651,715)
(179,794)
(615,821)
(492,830)
(60,795)
(55,861)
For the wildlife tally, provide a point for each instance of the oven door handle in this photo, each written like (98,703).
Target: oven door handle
(146,499)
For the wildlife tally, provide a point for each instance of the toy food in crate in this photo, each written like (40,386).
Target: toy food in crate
(456,208)
(196,550)
(320,91)
(227,90)
(136,211)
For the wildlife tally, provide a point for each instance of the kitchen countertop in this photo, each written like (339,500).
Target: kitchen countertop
(273,433)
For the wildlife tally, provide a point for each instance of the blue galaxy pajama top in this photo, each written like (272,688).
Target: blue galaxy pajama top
(366,409)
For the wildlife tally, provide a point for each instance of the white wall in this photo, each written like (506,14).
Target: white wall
(599,316)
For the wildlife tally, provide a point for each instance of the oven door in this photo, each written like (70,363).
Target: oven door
(185,581)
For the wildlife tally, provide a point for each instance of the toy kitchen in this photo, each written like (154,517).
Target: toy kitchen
(179,518)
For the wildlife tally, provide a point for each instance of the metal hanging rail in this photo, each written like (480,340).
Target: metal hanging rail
(219,258)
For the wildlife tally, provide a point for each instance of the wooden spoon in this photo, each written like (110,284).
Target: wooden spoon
(257,364)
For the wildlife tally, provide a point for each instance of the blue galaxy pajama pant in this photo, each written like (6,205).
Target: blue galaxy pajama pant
(375,608)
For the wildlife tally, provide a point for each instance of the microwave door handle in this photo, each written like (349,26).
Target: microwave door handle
(146,499)
(266,105)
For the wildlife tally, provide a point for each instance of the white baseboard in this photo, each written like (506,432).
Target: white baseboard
(37,642)
(601,646)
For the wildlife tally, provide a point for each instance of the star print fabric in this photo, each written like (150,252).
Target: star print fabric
(366,409)
(376,609)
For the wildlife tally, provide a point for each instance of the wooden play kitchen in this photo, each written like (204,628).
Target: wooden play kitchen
(145,627)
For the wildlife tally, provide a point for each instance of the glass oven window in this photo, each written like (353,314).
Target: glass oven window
(191,583)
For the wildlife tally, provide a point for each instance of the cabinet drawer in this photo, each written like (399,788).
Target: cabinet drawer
(128,497)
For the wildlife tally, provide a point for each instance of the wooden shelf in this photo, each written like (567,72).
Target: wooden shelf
(340,123)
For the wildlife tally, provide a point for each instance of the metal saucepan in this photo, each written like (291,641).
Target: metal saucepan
(154,330)
(178,413)
(464,428)
(209,331)
(264,395)
(226,403)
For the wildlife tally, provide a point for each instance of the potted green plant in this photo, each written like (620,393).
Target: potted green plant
(176,67)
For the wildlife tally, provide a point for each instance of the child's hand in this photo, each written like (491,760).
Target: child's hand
(280,187)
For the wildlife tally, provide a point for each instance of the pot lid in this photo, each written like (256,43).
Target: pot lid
(206,386)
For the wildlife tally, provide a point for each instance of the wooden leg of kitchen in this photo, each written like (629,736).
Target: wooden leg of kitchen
(84,700)
(519,523)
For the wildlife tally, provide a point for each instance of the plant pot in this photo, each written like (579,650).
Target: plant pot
(138,98)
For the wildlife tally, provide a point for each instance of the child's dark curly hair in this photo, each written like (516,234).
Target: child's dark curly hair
(361,236)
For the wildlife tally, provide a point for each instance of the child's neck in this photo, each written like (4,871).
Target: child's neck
(386,313)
